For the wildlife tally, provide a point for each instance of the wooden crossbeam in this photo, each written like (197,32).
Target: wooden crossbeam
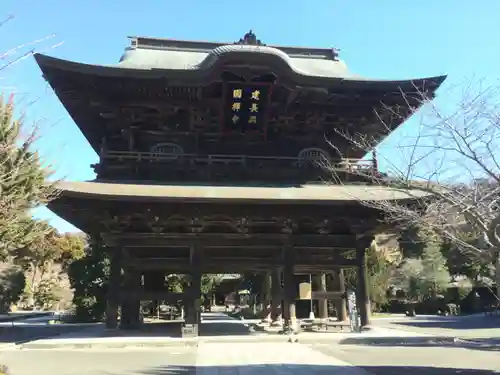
(150,296)
(231,264)
(327,295)
(142,240)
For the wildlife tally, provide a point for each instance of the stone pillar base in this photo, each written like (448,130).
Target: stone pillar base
(277,323)
(111,316)
(266,320)
(189,331)
(291,327)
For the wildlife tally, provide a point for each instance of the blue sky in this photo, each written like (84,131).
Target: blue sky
(389,39)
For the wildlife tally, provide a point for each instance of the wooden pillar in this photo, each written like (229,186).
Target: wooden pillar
(193,295)
(323,302)
(362,292)
(131,304)
(131,139)
(277,296)
(136,278)
(266,297)
(341,303)
(113,293)
(194,316)
(290,294)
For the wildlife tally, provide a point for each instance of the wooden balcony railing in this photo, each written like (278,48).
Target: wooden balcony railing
(193,160)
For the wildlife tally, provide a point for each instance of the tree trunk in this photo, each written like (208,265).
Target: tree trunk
(497,273)
(31,298)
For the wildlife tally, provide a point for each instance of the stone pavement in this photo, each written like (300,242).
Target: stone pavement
(216,327)
(254,358)
(268,359)
(98,362)
(417,360)
(207,359)
(316,353)
(465,327)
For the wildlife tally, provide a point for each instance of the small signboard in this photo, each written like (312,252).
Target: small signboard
(305,291)
(189,330)
(353,311)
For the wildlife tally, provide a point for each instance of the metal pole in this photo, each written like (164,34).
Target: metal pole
(311,299)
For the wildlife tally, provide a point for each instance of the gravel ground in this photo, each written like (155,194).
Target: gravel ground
(416,360)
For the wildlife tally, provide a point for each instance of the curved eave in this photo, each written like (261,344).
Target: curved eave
(52,67)
(307,194)
(46,63)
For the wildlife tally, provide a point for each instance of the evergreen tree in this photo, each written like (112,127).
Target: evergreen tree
(435,274)
(408,277)
(12,284)
(379,273)
(89,278)
(410,241)
(23,181)
(413,240)
(460,262)
(425,275)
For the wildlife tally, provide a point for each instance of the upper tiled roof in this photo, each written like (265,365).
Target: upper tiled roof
(170,58)
(184,57)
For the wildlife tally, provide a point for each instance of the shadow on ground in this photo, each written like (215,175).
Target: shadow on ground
(173,329)
(20,334)
(484,344)
(16,316)
(221,325)
(211,326)
(312,370)
(477,322)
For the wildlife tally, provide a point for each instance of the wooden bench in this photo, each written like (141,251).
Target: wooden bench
(493,309)
(322,324)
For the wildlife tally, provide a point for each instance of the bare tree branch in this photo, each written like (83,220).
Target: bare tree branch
(453,159)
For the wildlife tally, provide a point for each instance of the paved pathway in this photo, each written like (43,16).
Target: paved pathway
(207,359)
(467,327)
(414,360)
(216,327)
(267,359)
(255,358)
(223,357)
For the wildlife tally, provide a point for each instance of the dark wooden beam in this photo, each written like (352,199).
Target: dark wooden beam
(141,240)
(241,268)
(326,267)
(151,296)
(327,295)
(231,264)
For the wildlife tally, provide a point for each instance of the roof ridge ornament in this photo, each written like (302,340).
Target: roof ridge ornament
(250,39)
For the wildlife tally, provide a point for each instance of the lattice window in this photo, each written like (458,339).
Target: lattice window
(171,150)
(313,154)
(312,157)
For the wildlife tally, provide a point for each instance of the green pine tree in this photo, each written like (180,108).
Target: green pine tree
(413,240)
(379,274)
(89,278)
(23,181)
(435,273)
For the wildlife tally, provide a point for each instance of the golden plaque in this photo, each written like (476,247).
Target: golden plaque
(305,291)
